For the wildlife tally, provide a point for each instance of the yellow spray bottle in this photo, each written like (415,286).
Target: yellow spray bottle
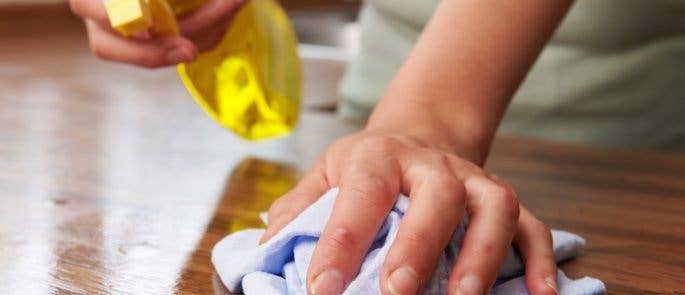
(251,82)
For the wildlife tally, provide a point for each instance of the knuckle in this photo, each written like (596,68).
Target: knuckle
(362,181)
(473,168)
(488,247)
(507,199)
(380,144)
(463,168)
(371,190)
(414,240)
(445,181)
(439,158)
(340,239)
(373,182)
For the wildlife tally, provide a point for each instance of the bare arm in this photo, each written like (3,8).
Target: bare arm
(426,139)
(469,61)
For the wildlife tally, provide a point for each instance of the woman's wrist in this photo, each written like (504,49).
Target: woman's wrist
(422,124)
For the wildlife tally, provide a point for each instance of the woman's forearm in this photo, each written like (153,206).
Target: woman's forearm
(457,82)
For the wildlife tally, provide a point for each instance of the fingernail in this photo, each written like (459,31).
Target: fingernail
(329,282)
(552,283)
(403,280)
(469,285)
(179,55)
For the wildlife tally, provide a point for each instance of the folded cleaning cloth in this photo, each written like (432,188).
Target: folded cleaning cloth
(280,265)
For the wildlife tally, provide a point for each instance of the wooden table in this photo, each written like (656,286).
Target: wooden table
(113,181)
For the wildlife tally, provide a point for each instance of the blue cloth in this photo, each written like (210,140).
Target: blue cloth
(280,265)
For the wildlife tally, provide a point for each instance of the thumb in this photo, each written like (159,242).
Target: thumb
(285,209)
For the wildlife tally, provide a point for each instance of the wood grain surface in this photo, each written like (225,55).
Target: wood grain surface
(114,182)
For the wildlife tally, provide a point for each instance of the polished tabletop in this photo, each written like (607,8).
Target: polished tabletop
(113,181)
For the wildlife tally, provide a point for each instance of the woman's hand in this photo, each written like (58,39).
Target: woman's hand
(200,30)
(427,138)
(371,168)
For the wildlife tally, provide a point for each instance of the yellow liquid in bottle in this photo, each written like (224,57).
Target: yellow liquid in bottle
(251,83)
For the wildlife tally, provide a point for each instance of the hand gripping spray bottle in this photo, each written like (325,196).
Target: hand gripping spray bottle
(251,82)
